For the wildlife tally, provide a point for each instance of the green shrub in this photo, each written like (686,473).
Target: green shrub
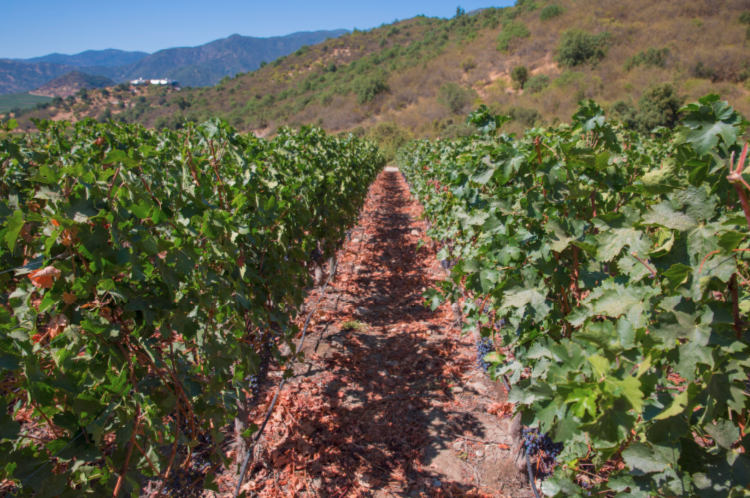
(745,17)
(353,325)
(652,57)
(658,106)
(389,137)
(325,99)
(550,12)
(302,50)
(511,31)
(578,47)
(703,71)
(519,76)
(525,116)
(742,77)
(457,130)
(468,64)
(455,97)
(367,87)
(105,116)
(626,113)
(567,78)
(331,67)
(537,83)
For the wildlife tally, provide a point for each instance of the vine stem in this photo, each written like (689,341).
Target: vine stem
(111,186)
(174,452)
(223,193)
(49,422)
(129,453)
(736,306)
(574,283)
(717,252)
(653,272)
(150,464)
(735,178)
(190,161)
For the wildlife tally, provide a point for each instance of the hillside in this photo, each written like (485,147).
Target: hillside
(20,77)
(204,65)
(71,83)
(101,58)
(423,74)
(207,64)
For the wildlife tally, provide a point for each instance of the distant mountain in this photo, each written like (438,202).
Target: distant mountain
(70,83)
(205,65)
(19,77)
(101,58)
(208,64)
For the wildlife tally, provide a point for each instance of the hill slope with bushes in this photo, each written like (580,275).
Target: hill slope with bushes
(71,83)
(419,77)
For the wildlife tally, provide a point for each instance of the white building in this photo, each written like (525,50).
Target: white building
(163,82)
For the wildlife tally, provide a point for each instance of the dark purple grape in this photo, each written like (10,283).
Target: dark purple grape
(484,347)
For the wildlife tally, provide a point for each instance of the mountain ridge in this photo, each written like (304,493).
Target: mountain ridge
(203,65)
(109,57)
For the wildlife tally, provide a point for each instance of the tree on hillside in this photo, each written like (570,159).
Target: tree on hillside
(519,76)
(578,47)
(659,106)
(455,97)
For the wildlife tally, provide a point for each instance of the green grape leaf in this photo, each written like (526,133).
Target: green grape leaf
(642,460)
(710,119)
(725,433)
(14,225)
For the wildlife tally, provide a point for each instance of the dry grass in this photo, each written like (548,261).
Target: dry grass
(696,32)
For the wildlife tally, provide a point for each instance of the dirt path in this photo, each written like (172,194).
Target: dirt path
(396,406)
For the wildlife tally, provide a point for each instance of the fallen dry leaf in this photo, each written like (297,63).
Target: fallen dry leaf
(44,278)
(57,325)
(68,237)
(26,233)
(69,298)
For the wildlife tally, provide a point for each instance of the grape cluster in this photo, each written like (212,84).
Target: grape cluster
(254,380)
(316,255)
(534,442)
(448,264)
(585,484)
(188,483)
(484,347)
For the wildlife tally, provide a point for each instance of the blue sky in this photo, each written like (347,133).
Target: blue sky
(38,27)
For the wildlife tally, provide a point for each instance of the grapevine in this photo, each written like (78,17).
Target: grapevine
(148,278)
(619,264)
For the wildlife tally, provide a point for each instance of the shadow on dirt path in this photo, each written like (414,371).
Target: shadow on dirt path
(388,402)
